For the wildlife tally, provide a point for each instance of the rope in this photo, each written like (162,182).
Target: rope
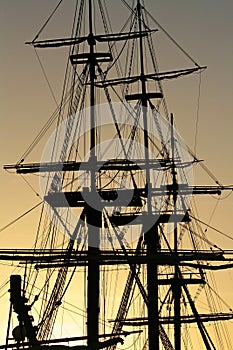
(28,183)
(163,29)
(20,217)
(47,21)
(197,118)
(204,167)
(42,132)
(213,228)
(46,78)
(172,39)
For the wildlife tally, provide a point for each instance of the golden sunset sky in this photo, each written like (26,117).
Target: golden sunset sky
(203,28)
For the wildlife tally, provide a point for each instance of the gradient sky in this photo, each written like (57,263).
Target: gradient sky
(203,28)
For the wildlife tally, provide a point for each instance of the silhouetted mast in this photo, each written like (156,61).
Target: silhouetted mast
(93,216)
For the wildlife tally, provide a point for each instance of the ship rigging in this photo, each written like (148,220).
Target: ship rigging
(117,189)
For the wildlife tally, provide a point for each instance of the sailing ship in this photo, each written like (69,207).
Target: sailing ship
(119,245)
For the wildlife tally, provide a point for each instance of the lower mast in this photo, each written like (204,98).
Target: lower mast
(152,244)
(94,222)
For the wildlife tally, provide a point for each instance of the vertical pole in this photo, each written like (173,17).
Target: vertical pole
(94,221)
(177,296)
(152,243)
(91,42)
(144,105)
(152,236)
(176,283)
(92,215)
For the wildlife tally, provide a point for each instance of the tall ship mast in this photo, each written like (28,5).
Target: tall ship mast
(119,246)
